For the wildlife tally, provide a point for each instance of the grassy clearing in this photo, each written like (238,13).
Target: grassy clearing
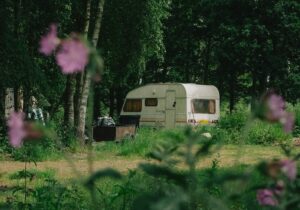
(141,145)
(113,193)
(49,178)
(227,156)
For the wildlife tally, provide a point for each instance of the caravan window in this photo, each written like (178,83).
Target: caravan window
(133,105)
(204,106)
(151,102)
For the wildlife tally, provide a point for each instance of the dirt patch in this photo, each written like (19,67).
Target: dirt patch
(79,167)
(65,170)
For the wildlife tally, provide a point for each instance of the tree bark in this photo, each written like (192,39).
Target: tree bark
(88,77)
(97,105)
(207,59)
(120,99)
(69,102)
(111,102)
(77,97)
(2,107)
(80,76)
(87,18)
(232,91)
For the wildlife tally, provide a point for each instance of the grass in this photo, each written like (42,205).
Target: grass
(44,192)
(227,156)
(124,157)
(142,144)
(32,174)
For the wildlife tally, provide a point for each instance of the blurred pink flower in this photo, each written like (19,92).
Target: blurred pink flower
(72,57)
(289,168)
(266,197)
(288,120)
(276,106)
(50,41)
(276,112)
(16,128)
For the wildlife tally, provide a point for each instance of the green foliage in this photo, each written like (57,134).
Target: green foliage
(296,110)
(144,141)
(39,150)
(234,121)
(53,195)
(265,133)
(33,174)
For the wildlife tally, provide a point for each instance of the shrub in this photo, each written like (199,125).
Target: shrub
(38,150)
(48,174)
(296,110)
(235,120)
(265,133)
(53,195)
(143,142)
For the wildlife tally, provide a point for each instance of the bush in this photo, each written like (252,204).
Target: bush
(67,137)
(296,110)
(235,120)
(143,142)
(36,150)
(53,195)
(265,133)
(48,174)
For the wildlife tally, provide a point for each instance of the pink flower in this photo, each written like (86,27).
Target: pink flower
(72,57)
(276,112)
(49,42)
(276,106)
(266,197)
(16,128)
(288,121)
(289,168)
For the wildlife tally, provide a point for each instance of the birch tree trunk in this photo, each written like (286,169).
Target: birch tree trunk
(72,93)
(88,76)
(69,102)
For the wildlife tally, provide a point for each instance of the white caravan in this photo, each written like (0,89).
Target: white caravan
(171,104)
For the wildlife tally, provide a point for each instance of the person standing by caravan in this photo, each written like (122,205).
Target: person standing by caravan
(34,112)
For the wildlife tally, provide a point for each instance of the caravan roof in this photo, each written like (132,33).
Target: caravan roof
(182,89)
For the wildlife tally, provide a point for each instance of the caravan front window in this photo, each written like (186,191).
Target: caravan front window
(204,106)
(133,105)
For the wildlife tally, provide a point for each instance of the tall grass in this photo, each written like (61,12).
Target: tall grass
(141,144)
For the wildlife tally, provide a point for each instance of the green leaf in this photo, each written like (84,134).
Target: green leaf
(111,173)
(156,171)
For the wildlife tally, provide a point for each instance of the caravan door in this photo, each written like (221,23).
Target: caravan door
(170,108)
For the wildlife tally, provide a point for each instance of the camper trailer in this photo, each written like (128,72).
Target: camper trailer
(171,104)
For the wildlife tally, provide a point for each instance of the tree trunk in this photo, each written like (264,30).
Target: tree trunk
(83,107)
(232,87)
(18,99)
(96,108)
(120,99)
(111,102)
(77,97)
(69,102)
(88,77)
(87,18)
(2,107)
(253,89)
(207,57)
(80,76)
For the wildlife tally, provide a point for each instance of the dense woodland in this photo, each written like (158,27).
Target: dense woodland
(248,160)
(241,46)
